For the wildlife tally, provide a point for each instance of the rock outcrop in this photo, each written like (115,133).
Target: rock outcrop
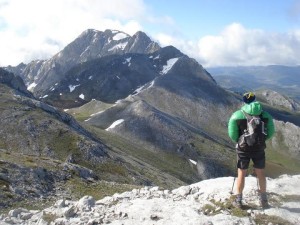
(206,202)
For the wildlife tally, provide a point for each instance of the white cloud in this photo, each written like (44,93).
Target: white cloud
(185,46)
(237,45)
(34,28)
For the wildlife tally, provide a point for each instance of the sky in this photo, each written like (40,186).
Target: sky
(214,32)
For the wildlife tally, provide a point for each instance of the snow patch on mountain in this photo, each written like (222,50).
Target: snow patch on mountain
(127,60)
(84,52)
(114,124)
(120,36)
(170,64)
(151,84)
(143,88)
(193,161)
(94,114)
(118,46)
(138,90)
(45,96)
(72,87)
(81,96)
(31,86)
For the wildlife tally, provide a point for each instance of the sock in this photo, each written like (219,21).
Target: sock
(263,196)
(239,197)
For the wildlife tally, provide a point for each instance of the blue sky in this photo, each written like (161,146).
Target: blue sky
(214,32)
(208,17)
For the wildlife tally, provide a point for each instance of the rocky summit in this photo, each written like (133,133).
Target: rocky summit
(206,202)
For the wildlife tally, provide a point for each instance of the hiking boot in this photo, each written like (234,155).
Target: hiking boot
(263,199)
(237,204)
(264,203)
(238,201)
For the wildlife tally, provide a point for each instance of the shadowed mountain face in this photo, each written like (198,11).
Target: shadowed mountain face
(14,82)
(40,76)
(25,121)
(108,78)
(39,146)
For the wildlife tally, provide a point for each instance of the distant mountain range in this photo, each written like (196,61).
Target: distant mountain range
(126,110)
(284,79)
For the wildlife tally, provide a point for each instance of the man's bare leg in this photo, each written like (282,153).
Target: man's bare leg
(241,180)
(239,188)
(260,173)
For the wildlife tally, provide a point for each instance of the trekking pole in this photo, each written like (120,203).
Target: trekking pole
(231,192)
(257,183)
(232,185)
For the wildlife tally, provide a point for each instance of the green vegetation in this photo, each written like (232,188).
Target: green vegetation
(112,168)
(279,163)
(84,112)
(264,219)
(239,212)
(209,209)
(290,198)
(164,161)
(217,207)
(79,188)
(64,143)
(48,217)
(32,161)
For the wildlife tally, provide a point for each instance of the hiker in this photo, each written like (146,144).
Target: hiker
(250,127)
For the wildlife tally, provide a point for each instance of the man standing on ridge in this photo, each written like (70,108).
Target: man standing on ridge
(250,127)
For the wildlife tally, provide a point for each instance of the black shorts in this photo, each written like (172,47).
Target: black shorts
(258,159)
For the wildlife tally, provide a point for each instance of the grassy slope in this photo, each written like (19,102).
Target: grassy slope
(73,188)
(277,163)
(82,113)
(150,163)
(25,134)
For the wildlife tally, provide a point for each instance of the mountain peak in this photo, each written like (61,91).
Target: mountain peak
(89,31)
(13,81)
(278,100)
(141,34)
(89,45)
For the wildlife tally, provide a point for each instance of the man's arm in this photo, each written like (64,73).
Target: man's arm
(233,130)
(270,126)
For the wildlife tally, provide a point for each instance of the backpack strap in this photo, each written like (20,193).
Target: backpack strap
(247,115)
